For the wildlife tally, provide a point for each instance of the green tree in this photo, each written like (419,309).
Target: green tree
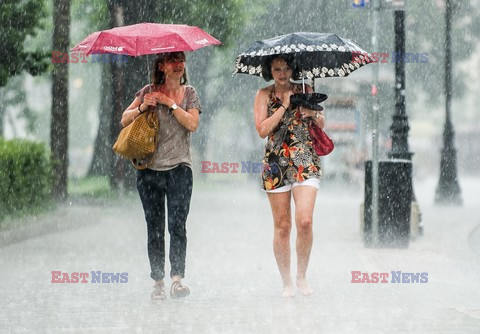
(15,95)
(98,15)
(18,20)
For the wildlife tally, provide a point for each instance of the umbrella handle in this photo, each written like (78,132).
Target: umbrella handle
(303,81)
(149,78)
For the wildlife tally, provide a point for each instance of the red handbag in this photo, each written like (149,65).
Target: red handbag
(322,144)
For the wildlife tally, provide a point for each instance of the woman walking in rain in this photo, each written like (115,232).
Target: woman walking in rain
(291,168)
(169,176)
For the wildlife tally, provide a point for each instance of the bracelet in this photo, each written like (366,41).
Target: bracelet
(283,107)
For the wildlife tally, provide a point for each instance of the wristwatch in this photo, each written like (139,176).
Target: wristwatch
(173,107)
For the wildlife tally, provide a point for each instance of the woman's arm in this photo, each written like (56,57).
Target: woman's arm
(187,118)
(137,107)
(131,112)
(320,120)
(263,123)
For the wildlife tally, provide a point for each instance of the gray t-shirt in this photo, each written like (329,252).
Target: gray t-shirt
(173,140)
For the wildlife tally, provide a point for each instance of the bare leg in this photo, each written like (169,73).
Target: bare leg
(280,204)
(304,197)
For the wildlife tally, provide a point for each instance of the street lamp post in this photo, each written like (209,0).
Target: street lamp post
(448,189)
(399,128)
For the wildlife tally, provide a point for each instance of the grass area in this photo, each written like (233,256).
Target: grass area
(93,187)
(82,191)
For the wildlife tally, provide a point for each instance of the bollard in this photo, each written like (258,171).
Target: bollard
(394,203)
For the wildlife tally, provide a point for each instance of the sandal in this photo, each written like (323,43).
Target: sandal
(158,292)
(178,290)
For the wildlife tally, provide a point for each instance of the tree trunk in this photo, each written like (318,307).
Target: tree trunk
(136,71)
(102,152)
(118,94)
(3,109)
(59,119)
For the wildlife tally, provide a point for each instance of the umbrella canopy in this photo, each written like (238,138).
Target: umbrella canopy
(316,55)
(146,38)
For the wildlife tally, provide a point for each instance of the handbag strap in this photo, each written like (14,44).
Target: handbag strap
(141,165)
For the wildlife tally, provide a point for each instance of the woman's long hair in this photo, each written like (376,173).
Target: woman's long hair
(158,77)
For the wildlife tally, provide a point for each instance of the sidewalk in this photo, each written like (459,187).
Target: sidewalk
(232,273)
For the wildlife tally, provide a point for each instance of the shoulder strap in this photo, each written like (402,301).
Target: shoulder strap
(273,99)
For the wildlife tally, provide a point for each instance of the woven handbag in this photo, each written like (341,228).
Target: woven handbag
(138,139)
(322,144)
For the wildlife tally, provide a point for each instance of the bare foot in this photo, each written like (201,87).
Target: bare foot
(158,292)
(304,287)
(288,292)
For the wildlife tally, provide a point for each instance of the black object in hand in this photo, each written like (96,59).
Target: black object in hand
(308,100)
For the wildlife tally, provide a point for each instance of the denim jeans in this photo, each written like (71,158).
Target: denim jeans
(154,187)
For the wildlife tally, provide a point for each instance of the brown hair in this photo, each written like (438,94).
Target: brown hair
(158,77)
(267,65)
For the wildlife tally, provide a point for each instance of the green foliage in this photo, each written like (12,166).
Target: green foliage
(91,187)
(220,18)
(93,13)
(18,20)
(25,176)
(15,96)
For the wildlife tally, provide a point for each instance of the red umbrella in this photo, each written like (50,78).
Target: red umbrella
(146,38)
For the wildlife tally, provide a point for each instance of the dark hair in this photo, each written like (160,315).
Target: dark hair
(267,65)
(158,77)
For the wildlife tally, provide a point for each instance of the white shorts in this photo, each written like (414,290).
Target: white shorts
(309,182)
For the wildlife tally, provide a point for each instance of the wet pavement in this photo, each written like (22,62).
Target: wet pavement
(232,273)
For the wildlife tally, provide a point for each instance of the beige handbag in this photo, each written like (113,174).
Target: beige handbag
(138,140)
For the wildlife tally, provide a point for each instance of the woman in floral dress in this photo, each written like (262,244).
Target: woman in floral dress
(291,168)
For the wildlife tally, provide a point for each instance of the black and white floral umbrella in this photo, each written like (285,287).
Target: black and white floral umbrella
(315,55)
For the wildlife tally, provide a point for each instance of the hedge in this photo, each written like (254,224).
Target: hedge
(25,176)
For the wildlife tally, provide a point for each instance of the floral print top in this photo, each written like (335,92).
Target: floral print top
(289,154)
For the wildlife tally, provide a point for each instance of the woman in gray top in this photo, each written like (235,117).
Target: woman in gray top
(169,175)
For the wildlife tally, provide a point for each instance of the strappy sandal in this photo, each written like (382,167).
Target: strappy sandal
(178,290)
(158,292)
